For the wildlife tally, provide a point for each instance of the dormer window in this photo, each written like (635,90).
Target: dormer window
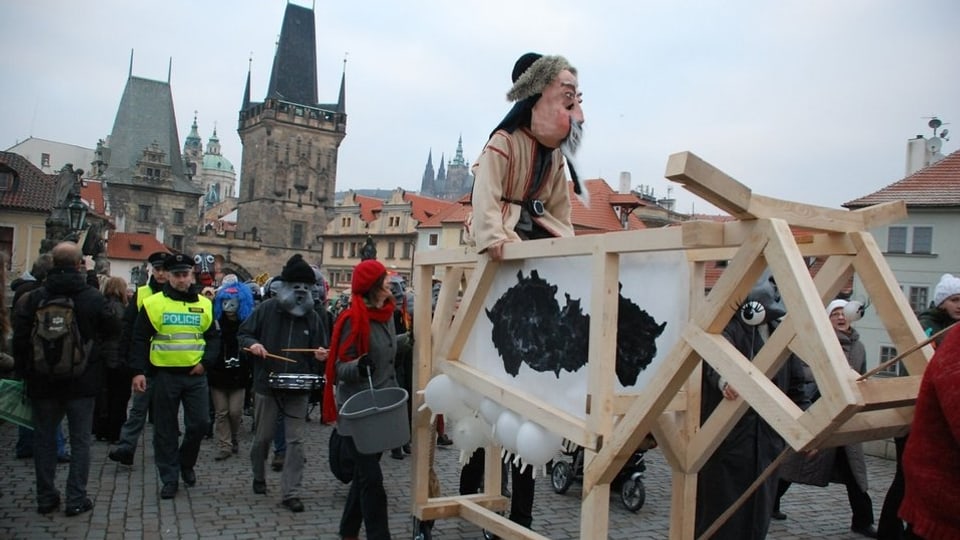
(6,181)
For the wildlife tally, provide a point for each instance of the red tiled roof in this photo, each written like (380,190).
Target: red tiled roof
(600,217)
(455,212)
(133,246)
(92,194)
(935,186)
(422,208)
(32,190)
(368,207)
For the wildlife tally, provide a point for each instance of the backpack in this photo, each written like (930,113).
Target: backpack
(59,351)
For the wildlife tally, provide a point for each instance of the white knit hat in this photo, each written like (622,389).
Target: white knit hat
(838,303)
(947,287)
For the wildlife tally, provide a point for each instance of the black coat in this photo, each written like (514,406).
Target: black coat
(93,319)
(744,454)
(220,376)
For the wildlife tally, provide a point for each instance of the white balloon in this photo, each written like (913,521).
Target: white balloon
(469,433)
(490,410)
(853,311)
(472,398)
(508,425)
(535,445)
(444,396)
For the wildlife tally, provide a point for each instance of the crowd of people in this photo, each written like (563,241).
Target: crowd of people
(203,352)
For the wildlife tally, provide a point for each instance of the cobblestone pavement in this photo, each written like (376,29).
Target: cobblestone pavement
(222,504)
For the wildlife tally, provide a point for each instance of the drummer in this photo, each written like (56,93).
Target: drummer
(285,335)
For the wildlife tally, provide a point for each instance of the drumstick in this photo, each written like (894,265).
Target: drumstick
(298,350)
(275,357)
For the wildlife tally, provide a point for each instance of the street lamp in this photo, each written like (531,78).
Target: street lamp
(76,212)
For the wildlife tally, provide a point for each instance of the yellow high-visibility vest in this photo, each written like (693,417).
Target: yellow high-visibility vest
(180,326)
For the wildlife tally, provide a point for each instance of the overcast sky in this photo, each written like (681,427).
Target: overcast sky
(811,100)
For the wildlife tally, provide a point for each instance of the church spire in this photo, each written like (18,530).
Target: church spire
(458,158)
(426,185)
(246,89)
(342,101)
(294,75)
(441,175)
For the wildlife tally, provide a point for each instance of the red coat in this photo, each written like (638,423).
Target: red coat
(931,461)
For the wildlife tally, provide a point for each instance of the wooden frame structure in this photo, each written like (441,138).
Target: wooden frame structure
(615,423)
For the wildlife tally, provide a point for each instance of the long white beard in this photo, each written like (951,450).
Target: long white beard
(569,147)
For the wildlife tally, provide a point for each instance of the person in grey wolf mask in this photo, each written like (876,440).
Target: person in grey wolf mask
(287,321)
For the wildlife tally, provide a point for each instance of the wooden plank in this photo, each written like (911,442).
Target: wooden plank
(470,307)
(453,256)
(533,409)
(642,415)
(642,241)
(422,435)
(710,183)
(622,402)
(602,348)
(872,426)
(752,382)
(700,234)
(880,215)
(822,244)
(733,285)
(820,348)
(495,523)
(446,305)
(595,510)
(448,507)
(683,504)
(817,218)
(671,440)
(889,302)
(889,392)
(833,277)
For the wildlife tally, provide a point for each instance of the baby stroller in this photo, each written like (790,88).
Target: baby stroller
(628,483)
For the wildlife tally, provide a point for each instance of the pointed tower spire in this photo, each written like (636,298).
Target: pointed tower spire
(458,158)
(342,101)
(130,72)
(294,75)
(426,185)
(169,69)
(441,176)
(246,89)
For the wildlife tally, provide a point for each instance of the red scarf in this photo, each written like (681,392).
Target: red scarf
(358,338)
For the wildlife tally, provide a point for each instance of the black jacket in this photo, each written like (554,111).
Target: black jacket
(93,319)
(238,376)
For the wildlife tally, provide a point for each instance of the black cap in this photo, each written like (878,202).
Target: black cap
(156,259)
(178,263)
(523,63)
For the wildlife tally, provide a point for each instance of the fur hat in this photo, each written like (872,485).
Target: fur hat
(297,271)
(156,259)
(365,276)
(947,287)
(533,72)
(838,303)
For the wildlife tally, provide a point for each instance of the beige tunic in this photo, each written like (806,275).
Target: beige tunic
(504,173)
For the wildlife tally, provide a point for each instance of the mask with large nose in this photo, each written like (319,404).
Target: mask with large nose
(295,298)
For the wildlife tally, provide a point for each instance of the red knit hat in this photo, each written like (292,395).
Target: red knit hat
(365,275)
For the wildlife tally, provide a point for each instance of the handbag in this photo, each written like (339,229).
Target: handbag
(15,407)
(341,460)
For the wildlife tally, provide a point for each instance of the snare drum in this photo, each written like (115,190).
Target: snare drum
(296,382)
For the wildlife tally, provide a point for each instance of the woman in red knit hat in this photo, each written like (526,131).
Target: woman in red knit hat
(364,344)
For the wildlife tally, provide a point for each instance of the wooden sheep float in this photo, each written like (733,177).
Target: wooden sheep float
(661,272)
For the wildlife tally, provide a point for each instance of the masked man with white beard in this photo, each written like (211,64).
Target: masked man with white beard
(286,321)
(520,192)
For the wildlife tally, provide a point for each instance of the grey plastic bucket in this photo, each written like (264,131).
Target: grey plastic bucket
(376,419)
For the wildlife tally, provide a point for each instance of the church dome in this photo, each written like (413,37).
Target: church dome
(217,162)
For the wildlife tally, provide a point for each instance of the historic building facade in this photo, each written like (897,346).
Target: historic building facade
(451,181)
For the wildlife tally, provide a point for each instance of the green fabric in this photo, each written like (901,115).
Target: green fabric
(14,405)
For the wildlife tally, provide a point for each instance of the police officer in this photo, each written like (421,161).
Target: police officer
(175,339)
(137,417)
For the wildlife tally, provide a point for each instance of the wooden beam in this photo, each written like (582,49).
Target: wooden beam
(889,302)
(882,214)
(889,392)
(710,183)
(872,426)
(423,434)
(817,218)
(701,234)
(533,409)
(595,511)
(448,507)
(470,307)
(495,523)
